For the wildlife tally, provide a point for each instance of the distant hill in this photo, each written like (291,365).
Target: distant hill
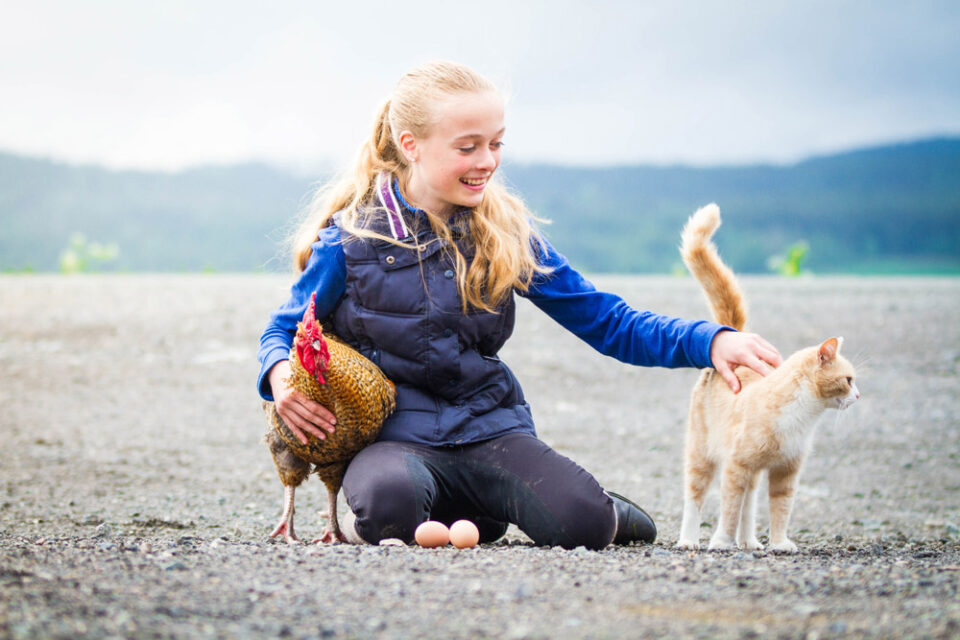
(220,218)
(890,209)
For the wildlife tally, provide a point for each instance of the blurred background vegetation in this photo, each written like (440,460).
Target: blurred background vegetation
(883,210)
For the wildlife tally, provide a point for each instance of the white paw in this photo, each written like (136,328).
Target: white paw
(751,545)
(719,542)
(691,545)
(786,546)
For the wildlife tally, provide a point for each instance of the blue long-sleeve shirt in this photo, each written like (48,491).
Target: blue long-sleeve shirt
(603,320)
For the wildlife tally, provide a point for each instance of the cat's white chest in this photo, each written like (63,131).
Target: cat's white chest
(796,423)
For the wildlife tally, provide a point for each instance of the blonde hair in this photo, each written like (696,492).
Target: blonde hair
(506,243)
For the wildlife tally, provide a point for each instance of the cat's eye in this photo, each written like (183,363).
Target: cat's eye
(849,380)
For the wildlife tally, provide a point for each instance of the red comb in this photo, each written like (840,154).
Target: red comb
(311,346)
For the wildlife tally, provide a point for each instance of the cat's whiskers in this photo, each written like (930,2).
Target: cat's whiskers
(860,360)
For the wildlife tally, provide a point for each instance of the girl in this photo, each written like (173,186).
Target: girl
(414,258)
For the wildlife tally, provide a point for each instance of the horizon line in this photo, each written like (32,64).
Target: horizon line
(301,168)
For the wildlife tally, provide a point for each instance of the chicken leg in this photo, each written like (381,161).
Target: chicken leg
(285,526)
(292,471)
(331,532)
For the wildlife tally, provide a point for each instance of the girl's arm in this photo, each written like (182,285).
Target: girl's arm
(325,275)
(612,327)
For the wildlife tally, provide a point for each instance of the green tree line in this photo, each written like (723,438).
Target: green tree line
(890,209)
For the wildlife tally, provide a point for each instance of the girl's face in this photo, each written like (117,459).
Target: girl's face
(451,166)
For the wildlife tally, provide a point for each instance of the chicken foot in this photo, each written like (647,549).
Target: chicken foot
(331,532)
(285,526)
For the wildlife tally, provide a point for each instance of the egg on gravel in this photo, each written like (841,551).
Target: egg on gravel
(464,534)
(432,534)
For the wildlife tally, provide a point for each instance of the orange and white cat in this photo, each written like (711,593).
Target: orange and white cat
(767,426)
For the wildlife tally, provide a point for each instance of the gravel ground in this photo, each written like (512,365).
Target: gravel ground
(135,497)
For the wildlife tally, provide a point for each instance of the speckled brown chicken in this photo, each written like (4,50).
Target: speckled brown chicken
(360,396)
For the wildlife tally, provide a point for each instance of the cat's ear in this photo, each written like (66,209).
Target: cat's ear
(829,349)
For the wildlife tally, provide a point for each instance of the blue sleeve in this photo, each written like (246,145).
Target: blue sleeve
(612,327)
(325,275)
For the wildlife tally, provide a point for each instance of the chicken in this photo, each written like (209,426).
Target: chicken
(360,396)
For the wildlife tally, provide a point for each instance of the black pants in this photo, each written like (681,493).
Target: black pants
(394,486)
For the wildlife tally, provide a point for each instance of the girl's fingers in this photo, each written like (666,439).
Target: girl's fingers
(321,416)
(759,348)
(759,365)
(732,349)
(300,427)
(304,420)
(296,432)
(769,353)
(299,418)
(729,376)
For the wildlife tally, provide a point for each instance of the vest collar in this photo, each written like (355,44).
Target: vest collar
(399,210)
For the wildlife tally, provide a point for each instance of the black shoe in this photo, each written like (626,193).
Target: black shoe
(633,523)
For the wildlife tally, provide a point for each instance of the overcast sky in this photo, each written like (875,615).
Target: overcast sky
(179,83)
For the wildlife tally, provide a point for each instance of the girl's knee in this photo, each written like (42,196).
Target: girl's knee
(388,515)
(587,523)
(388,501)
(590,524)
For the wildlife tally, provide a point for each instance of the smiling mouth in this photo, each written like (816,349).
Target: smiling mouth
(477,182)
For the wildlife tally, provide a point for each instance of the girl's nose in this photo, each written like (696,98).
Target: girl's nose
(487,161)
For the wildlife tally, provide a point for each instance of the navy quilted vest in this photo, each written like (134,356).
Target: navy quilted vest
(402,310)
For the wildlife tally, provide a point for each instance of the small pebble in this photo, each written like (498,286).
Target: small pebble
(392,542)
(103,531)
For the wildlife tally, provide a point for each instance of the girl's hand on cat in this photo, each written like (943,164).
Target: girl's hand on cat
(730,349)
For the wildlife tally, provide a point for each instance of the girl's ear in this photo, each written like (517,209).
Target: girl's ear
(408,146)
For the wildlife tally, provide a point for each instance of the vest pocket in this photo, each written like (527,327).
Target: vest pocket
(500,389)
(410,398)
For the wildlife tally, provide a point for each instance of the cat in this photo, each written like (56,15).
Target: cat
(767,426)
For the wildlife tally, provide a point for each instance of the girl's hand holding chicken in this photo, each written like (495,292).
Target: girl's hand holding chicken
(299,412)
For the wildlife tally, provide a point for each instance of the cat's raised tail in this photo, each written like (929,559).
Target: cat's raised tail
(717,280)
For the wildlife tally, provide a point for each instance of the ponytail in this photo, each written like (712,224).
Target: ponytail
(348,192)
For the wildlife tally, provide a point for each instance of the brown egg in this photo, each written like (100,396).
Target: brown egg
(432,534)
(464,534)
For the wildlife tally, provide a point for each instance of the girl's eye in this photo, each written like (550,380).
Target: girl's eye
(493,145)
